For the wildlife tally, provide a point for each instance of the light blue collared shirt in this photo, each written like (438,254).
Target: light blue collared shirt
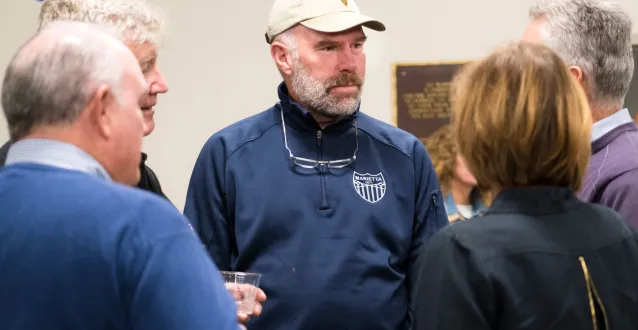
(55,153)
(453,212)
(606,125)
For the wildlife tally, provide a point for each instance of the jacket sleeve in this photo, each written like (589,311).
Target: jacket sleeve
(430,215)
(621,194)
(170,282)
(451,290)
(206,207)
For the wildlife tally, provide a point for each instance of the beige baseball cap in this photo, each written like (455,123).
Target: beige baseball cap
(319,15)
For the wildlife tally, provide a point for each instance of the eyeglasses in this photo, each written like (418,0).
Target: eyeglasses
(311,163)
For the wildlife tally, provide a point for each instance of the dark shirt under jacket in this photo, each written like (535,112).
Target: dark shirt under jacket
(148,179)
(3,153)
(539,258)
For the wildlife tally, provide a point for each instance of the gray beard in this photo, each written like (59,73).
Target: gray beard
(313,93)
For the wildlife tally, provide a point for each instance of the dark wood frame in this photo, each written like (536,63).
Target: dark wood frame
(395,93)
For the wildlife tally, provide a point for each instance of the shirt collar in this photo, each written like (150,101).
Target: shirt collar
(55,153)
(477,205)
(606,125)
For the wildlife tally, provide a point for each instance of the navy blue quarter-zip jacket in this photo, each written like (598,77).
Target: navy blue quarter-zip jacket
(335,245)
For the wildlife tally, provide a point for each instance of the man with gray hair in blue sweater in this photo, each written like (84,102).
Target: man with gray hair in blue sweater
(79,248)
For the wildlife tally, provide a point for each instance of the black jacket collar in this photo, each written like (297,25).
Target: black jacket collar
(535,200)
(300,119)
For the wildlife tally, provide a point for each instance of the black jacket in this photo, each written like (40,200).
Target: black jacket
(148,179)
(3,153)
(539,258)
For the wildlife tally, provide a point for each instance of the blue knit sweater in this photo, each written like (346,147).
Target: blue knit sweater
(78,252)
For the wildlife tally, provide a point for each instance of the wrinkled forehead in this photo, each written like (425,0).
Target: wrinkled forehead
(144,52)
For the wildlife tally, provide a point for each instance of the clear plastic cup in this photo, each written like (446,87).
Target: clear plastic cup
(243,287)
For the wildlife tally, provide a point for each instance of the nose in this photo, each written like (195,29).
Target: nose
(347,61)
(158,83)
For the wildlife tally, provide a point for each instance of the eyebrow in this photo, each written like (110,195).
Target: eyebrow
(148,57)
(361,39)
(327,43)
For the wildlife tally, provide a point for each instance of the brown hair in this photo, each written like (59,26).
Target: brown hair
(442,149)
(521,119)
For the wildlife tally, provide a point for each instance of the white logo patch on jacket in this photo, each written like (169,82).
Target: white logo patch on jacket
(370,187)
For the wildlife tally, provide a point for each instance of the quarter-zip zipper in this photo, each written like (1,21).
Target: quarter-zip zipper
(322,171)
(595,303)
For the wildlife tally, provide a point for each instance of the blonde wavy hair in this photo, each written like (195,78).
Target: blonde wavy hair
(443,149)
(521,119)
(129,20)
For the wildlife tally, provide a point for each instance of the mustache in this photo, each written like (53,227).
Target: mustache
(344,79)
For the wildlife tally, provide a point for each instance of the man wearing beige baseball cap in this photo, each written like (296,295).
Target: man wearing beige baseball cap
(323,16)
(329,204)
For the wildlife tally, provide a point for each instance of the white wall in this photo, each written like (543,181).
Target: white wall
(219,70)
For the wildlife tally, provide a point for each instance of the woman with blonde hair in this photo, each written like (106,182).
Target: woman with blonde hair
(463,198)
(538,258)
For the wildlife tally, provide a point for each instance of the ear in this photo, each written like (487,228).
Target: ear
(101,111)
(282,57)
(577,72)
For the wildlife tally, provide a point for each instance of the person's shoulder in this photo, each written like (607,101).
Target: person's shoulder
(390,135)
(457,235)
(620,191)
(251,128)
(107,206)
(151,214)
(608,218)
(476,233)
(132,198)
(493,233)
(627,179)
(86,195)
(466,229)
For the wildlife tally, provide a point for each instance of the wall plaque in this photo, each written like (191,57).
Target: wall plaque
(421,96)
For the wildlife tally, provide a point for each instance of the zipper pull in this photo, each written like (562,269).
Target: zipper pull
(319,135)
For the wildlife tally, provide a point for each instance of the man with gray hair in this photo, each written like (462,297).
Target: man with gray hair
(77,250)
(137,24)
(594,38)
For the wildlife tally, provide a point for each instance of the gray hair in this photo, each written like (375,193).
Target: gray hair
(51,78)
(595,36)
(131,20)
(289,39)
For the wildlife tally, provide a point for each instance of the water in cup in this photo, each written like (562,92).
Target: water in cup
(243,287)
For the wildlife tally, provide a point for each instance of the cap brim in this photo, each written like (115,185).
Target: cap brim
(341,21)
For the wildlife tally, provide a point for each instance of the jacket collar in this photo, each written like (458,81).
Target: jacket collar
(301,119)
(536,200)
